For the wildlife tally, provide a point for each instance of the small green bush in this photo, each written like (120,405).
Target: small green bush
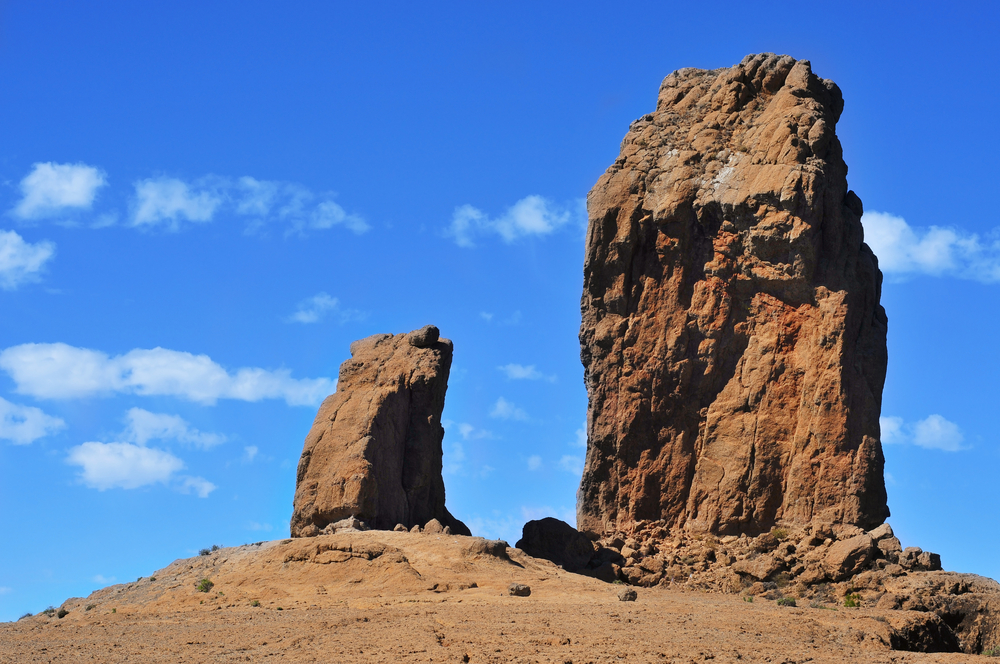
(152,578)
(992,652)
(90,606)
(255,603)
(786,601)
(748,599)
(26,615)
(114,610)
(50,611)
(62,613)
(852,600)
(280,609)
(780,534)
(204,585)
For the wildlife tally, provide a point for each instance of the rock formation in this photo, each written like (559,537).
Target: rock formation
(732,337)
(374,450)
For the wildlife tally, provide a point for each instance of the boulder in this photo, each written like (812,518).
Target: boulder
(434,527)
(761,568)
(556,540)
(732,338)
(374,450)
(627,595)
(518,590)
(846,558)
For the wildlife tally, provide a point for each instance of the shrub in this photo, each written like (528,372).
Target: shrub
(748,599)
(204,552)
(90,606)
(992,652)
(852,600)
(780,534)
(26,615)
(204,585)
(255,603)
(114,610)
(152,578)
(786,601)
(62,613)
(49,611)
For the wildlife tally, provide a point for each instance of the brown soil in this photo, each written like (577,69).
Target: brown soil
(387,597)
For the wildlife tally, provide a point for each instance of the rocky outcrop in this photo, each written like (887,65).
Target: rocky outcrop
(732,338)
(374,450)
(556,541)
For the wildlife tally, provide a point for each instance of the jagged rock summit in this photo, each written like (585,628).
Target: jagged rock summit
(732,337)
(374,450)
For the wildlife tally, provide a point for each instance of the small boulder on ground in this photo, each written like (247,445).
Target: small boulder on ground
(434,527)
(627,595)
(518,590)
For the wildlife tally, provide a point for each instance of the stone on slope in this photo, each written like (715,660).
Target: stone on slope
(557,541)
(374,450)
(732,338)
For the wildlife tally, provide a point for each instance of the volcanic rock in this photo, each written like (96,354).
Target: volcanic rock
(732,338)
(374,450)
(556,540)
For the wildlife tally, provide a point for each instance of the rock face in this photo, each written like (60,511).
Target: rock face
(732,337)
(374,450)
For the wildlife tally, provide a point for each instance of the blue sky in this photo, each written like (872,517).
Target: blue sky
(201,207)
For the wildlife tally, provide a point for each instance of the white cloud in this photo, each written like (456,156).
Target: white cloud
(933,432)
(486,316)
(196,485)
(530,216)
(20,261)
(61,371)
(143,426)
(4,590)
(534,462)
(259,526)
(454,455)
(905,250)
(250,453)
(170,201)
(312,309)
(505,410)
(581,437)
(25,424)
(100,578)
(53,188)
(571,464)
(521,372)
(122,465)
(292,204)
(469,432)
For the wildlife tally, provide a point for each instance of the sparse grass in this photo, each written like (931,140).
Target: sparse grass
(114,610)
(49,611)
(205,552)
(89,607)
(782,580)
(786,601)
(204,585)
(748,599)
(152,578)
(26,615)
(780,534)
(992,652)
(62,613)
(852,600)
(255,603)
(280,609)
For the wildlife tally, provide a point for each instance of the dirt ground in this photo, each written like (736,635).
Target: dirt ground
(388,597)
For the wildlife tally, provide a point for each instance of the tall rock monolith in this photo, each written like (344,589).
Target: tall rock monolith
(733,342)
(374,450)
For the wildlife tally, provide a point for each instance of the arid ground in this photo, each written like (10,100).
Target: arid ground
(411,597)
